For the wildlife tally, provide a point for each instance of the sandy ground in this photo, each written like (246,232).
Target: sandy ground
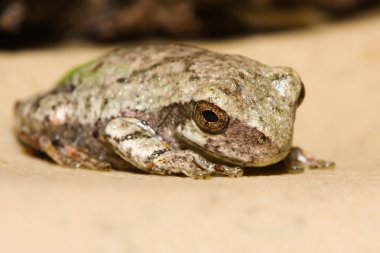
(48,208)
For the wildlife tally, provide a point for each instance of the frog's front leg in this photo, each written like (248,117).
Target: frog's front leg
(298,160)
(138,144)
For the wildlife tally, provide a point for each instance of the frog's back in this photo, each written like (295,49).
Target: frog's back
(121,79)
(124,82)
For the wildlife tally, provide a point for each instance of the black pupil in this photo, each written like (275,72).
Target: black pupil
(210,116)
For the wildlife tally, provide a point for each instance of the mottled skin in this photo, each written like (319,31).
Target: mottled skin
(138,106)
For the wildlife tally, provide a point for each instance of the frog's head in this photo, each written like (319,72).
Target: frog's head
(247,122)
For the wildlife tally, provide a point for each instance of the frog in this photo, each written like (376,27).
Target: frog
(172,109)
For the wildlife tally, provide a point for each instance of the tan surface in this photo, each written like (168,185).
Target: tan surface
(48,208)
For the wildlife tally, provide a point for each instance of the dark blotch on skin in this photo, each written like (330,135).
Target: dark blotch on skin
(262,139)
(95,134)
(97,66)
(132,136)
(156,154)
(105,103)
(36,105)
(64,88)
(121,79)
(70,87)
(194,78)
(56,141)
(226,91)
(88,103)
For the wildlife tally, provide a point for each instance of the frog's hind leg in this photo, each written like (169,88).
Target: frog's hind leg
(70,155)
(298,160)
(61,153)
(38,127)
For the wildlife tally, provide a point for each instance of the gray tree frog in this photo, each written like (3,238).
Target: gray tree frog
(168,109)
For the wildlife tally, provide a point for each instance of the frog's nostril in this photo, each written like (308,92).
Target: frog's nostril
(262,139)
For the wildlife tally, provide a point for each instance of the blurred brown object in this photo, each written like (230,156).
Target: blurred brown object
(25,21)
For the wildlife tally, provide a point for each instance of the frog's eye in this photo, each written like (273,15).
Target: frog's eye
(210,118)
(301,96)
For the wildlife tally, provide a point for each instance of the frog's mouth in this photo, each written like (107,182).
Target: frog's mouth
(213,156)
(252,163)
(219,158)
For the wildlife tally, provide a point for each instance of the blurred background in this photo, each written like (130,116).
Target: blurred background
(25,23)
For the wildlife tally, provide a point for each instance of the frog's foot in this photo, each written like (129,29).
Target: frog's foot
(298,160)
(138,144)
(190,164)
(69,155)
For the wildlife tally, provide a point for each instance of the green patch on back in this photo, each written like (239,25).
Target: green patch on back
(76,69)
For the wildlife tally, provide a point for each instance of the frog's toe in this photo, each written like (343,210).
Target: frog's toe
(322,164)
(296,168)
(197,170)
(298,160)
(228,171)
(200,174)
